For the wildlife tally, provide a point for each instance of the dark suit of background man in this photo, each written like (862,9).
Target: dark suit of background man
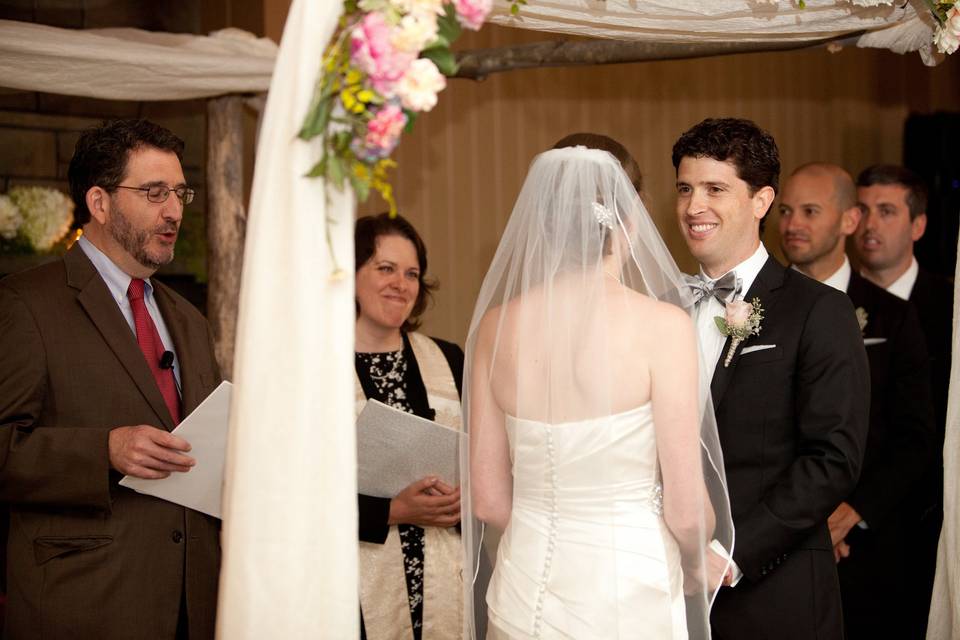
(871,529)
(894,202)
(791,406)
(84,400)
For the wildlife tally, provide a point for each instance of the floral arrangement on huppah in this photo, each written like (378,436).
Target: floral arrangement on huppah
(386,64)
(34,219)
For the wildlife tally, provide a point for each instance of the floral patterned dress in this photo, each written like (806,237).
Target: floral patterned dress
(389,374)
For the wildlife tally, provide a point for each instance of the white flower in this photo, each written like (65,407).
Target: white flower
(419,86)
(947,37)
(10,218)
(47,215)
(414,32)
(418,7)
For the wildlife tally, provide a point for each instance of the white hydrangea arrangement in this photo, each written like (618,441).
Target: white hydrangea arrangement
(38,217)
(10,218)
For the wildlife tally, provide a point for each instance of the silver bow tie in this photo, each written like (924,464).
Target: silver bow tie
(728,286)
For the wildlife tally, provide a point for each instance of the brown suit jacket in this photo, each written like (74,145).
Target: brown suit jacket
(87,558)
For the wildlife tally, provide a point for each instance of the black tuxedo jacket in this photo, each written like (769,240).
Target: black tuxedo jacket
(792,420)
(899,451)
(932,295)
(900,442)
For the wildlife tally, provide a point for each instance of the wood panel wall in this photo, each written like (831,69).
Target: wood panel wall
(462,166)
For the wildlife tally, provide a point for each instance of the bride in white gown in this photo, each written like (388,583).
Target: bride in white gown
(592,450)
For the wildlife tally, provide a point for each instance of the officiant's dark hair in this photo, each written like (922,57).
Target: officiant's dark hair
(608,144)
(366,232)
(101,154)
(751,150)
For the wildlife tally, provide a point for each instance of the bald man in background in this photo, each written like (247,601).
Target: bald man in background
(871,529)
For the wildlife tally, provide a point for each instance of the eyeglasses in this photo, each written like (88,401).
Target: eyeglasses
(159,193)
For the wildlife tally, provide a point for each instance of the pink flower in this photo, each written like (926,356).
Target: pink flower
(372,52)
(383,133)
(738,313)
(472,13)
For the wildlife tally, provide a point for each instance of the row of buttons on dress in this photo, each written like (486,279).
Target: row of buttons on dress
(551,535)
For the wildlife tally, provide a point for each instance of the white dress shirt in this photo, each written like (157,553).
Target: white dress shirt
(903,286)
(117,281)
(840,280)
(711,340)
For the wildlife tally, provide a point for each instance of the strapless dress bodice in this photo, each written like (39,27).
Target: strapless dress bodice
(586,553)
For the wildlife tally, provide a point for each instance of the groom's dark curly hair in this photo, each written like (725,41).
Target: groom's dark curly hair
(751,150)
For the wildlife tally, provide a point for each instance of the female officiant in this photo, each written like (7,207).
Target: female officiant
(410,555)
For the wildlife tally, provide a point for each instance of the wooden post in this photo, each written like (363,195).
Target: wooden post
(226,222)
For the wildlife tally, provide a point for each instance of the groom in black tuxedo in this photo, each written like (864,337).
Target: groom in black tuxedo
(872,527)
(791,402)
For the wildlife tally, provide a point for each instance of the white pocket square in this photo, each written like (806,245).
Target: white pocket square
(756,347)
(869,341)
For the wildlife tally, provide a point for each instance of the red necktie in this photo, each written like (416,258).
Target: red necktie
(152,348)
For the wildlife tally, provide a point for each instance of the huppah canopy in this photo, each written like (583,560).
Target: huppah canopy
(132,64)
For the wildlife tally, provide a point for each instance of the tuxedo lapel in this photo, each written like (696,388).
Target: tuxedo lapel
(765,287)
(95,298)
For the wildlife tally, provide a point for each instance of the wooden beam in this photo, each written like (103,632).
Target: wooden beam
(226,222)
(477,64)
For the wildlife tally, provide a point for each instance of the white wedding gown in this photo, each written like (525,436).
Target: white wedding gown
(586,553)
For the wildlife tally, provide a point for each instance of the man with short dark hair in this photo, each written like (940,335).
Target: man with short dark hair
(790,402)
(873,525)
(893,200)
(98,363)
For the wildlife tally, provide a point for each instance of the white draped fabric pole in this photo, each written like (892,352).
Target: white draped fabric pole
(290,526)
(944,621)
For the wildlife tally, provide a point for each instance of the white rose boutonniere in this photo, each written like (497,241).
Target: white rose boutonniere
(862,317)
(742,320)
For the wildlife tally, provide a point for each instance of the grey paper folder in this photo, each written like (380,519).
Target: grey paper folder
(206,431)
(394,448)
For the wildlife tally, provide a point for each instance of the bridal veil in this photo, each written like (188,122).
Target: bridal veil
(569,319)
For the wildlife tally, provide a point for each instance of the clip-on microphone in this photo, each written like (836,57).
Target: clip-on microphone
(166,362)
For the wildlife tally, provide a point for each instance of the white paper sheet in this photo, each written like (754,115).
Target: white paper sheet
(395,448)
(201,488)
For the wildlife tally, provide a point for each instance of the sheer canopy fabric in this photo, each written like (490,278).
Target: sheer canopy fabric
(944,620)
(132,64)
(290,491)
(905,26)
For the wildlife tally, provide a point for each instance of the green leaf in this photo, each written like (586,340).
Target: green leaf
(721,325)
(440,42)
(361,187)
(319,169)
(411,117)
(514,9)
(443,58)
(335,171)
(341,141)
(316,121)
(447,26)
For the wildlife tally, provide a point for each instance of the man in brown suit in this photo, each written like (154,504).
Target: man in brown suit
(97,364)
